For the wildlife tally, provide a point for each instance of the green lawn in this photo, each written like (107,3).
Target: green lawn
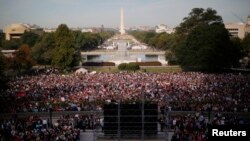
(161,69)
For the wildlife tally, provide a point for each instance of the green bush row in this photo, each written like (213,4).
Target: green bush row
(98,64)
(153,63)
(129,66)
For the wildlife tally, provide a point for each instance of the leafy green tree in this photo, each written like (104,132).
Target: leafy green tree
(64,36)
(29,38)
(208,47)
(44,49)
(2,38)
(2,64)
(63,57)
(246,51)
(79,40)
(92,41)
(64,52)
(144,36)
(197,17)
(132,67)
(236,51)
(122,66)
(104,36)
(11,44)
(246,45)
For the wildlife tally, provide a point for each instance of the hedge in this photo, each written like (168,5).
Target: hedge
(129,67)
(98,64)
(153,63)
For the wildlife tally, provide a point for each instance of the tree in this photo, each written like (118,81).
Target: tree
(2,63)
(197,17)
(29,38)
(208,47)
(63,57)
(2,38)
(246,50)
(246,45)
(104,36)
(79,40)
(44,49)
(64,51)
(11,44)
(92,41)
(64,36)
(23,58)
(236,51)
(204,43)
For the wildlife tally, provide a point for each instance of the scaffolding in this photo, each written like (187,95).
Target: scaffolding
(134,123)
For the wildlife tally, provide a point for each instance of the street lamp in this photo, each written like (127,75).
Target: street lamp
(166,117)
(50,115)
(209,112)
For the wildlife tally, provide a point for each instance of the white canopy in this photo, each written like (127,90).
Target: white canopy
(81,70)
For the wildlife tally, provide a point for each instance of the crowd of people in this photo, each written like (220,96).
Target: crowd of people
(194,127)
(37,129)
(185,91)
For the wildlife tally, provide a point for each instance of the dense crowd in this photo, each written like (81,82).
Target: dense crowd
(194,127)
(38,129)
(184,91)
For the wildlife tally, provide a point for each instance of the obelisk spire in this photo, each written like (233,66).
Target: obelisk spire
(122,31)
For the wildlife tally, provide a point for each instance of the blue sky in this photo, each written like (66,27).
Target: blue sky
(94,13)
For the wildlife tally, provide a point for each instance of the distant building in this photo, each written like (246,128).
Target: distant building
(15,31)
(49,30)
(163,28)
(140,28)
(236,29)
(87,30)
(145,28)
(76,29)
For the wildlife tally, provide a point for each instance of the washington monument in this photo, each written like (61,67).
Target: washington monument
(122,31)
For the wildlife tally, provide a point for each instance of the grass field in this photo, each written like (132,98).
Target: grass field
(152,69)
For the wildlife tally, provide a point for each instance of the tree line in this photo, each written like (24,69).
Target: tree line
(60,48)
(200,42)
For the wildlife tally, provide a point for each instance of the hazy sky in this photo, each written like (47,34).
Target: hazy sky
(88,13)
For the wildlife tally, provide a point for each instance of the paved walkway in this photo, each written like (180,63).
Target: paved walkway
(88,135)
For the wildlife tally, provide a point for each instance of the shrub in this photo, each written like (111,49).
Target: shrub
(98,64)
(129,67)
(122,66)
(133,66)
(153,63)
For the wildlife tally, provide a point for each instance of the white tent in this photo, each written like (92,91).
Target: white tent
(81,70)
(110,47)
(93,72)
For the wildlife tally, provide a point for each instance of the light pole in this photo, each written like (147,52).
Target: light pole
(119,119)
(142,114)
(50,115)
(166,118)
(209,112)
